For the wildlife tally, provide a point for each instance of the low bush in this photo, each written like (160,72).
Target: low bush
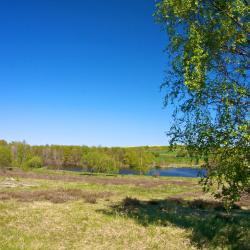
(5,157)
(34,162)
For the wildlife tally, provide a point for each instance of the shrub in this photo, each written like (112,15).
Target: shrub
(181,153)
(99,162)
(34,162)
(5,157)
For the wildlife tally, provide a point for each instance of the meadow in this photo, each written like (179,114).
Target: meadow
(44,209)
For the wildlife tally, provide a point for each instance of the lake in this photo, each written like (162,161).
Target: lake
(179,172)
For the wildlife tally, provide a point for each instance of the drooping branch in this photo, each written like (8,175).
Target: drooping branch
(237,50)
(217,6)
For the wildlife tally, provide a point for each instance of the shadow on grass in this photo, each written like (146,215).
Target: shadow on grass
(211,227)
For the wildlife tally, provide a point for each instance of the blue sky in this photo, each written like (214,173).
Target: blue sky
(82,72)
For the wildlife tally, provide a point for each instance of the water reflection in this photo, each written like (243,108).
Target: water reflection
(180,172)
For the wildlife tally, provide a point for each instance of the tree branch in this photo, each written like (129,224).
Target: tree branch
(228,15)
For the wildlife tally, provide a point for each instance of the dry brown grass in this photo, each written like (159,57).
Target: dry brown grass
(54,196)
(13,183)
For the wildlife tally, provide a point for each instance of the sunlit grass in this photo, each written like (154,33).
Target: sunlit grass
(151,223)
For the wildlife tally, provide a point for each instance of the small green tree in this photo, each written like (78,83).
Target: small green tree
(139,159)
(34,162)
(5,157)
(20,153)
(3,143)
(99,162)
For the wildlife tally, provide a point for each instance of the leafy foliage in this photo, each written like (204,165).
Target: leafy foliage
(139,159)
(5,157)
(34,162)
(208,82)
(99,162)
(94,159)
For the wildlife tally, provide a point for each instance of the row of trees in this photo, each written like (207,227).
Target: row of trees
(96,159)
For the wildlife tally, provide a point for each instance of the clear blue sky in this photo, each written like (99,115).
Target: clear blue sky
(82,72)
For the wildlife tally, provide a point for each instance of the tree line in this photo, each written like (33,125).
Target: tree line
(93,159)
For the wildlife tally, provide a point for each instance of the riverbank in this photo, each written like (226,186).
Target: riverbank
(44,209)
(177,172)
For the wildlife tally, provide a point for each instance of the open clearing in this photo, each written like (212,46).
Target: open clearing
(46,210)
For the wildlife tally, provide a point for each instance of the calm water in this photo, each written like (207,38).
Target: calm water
(180,172)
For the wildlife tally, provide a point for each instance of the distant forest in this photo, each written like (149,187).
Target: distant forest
(93,159)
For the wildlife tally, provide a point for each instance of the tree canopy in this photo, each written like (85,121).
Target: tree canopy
(208,82)
(94,159)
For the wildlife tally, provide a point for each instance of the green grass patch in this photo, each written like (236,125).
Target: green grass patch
(124,215)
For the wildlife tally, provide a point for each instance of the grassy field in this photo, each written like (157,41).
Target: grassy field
(47,210)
